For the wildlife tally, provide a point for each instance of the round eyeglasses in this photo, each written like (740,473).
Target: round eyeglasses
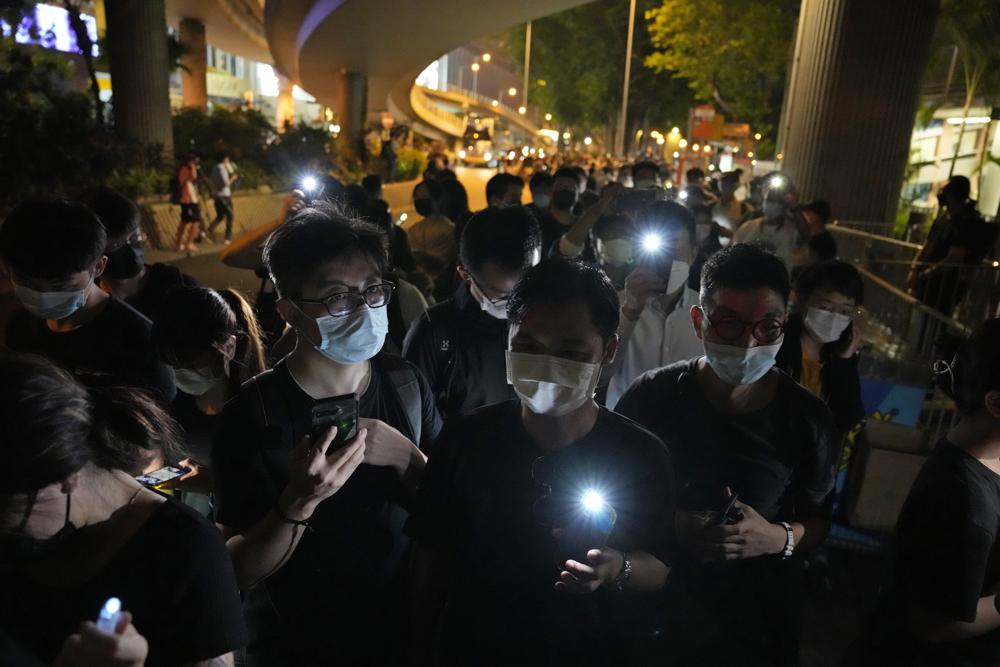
(345,303)
(732,329)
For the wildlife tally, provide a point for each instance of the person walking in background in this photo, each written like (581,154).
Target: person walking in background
(187,196)
(221,180)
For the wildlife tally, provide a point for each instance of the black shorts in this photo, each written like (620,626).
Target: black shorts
(190,213)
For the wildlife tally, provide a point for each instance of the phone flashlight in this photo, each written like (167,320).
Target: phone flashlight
(652,243)
(592,501)
(776,181)
(107,619)
(309,184)
(682,194)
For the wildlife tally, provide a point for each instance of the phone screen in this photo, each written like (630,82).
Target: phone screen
(162,476)
(730,514)
(339,411)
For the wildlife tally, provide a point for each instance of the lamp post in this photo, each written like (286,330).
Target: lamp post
(475,78)
(527,60)
(620,135)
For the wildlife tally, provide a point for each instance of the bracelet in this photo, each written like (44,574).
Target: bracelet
(789,540)
(619,583)
(287,519)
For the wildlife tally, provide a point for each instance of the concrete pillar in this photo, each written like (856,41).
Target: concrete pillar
(285,114)
(852,99)
(140,76)
(194,64)
(352,105)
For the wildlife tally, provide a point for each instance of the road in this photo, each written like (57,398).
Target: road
(206,267)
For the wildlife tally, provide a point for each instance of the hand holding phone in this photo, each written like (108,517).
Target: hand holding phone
(339,411)
(162,476)
(730,514)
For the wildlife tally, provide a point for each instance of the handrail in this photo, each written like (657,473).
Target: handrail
(912,301)
(847,231)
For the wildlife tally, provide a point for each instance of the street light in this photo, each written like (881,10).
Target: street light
(567,135)
(548,116)
(512,91)
(475,78)
(683,143)
(494,103)
(587,141)
(487,57)
(522,110)
(757,136)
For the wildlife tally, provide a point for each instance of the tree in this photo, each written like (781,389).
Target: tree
(577,66)
(973,26)
(733,54)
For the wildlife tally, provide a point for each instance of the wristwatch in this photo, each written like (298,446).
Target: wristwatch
(626,574)
(789,540)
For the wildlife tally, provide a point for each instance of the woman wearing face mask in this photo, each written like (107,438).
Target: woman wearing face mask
(77,528)
(820,348)
(213,343)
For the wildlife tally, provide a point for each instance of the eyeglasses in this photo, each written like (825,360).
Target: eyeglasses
(732,329)
(344,303)
(500,300)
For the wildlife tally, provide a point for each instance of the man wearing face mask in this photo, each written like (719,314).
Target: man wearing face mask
(655,327)
(127,276)
(615,247)
(559,218)
(54,252)
(319,575)
(820,347)
(506,480)
(540,186)
(459,343)
(735,424)
(504,190)
(779,229)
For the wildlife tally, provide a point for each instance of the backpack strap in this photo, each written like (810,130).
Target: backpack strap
(403,380)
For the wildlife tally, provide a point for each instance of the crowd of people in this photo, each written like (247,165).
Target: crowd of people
(599,428)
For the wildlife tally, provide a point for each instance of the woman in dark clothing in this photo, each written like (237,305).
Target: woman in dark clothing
(820,348)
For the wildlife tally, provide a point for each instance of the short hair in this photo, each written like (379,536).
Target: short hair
(119,214)
(564,172)
(508,237)
(356,201)
(372,183)
(645,165)
(730,177)
(498,186)
(52,239)
(832,275)
(221,155)
(977,371)
(315,235)
(540,180)
(455,203)
(820,207)
(957,186)
(694,173)
(670,214)
(743,267)
(561,281)
(434,189)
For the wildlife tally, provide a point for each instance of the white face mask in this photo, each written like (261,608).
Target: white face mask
(50,305)
(194,382)
(618,252)
(354,337)
(825,326)
(740,365)
(497,310)
(549,385)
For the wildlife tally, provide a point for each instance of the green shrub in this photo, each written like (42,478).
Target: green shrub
(410,164)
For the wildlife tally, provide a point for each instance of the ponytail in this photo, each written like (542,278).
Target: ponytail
(249,356)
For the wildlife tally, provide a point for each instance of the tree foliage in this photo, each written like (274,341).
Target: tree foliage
(733,54)
(580,55)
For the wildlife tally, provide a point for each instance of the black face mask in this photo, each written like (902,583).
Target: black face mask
(424,206)
(563,200)
(18,548)
(125,262)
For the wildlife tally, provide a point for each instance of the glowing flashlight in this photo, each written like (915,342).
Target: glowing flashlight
(108,617)
(592,501)
(652,242)
(682,194)
(777,181)
(309,183)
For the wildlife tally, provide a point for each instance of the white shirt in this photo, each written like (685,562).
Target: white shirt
(782,241)
(656,339)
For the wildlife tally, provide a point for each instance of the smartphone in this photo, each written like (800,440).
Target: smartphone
(730,514)
(633,201)
(162,476)
(339,411)
(587,529)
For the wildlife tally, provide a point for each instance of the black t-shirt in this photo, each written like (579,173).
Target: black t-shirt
(198,429)
(175,578)
(781,460)
(965,229)
(946,557)
(461,350)
(113,348)
(552,230)
(160,279)
(335,589)
(477,503)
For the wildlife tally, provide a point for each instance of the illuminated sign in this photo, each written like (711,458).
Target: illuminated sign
(48,26)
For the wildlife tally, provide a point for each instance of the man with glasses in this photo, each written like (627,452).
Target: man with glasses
(504,569)
(127,276)
(459,343)
(319,568)
(737,426)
